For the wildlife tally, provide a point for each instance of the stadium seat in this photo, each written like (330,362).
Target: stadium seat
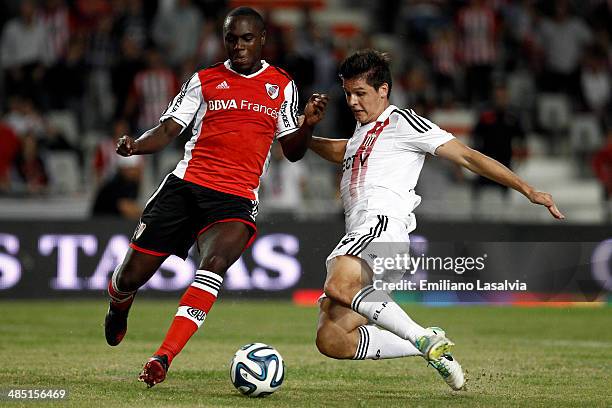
(63,168)
(459,122)
(585,133)
(66,122)
(521,90)
(553,117)
(553,112)
(585,138)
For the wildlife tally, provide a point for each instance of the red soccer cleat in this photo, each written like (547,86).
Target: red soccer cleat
(154,371)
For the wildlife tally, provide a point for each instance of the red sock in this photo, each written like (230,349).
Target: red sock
(193,308)
(120,300)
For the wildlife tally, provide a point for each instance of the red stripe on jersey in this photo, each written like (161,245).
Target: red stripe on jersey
(147,251)
(360,161)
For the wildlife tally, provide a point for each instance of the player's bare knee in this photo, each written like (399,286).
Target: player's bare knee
(332,291)
(339,291)
(323,344)
(332,343)
(215,263)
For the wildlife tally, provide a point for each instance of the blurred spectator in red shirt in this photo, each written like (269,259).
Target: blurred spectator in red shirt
(9,147)
(89,12)
(602,166)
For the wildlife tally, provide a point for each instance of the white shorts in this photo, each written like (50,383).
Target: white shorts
(376,240)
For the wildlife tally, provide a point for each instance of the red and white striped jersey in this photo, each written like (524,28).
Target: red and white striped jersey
(235,120)
(58,24)
(152,88)
(382,163)
(478,29)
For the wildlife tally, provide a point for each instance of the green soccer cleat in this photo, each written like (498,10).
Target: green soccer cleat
(437,330)
(450,370)
(434,345)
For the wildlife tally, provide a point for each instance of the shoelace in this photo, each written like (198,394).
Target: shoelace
(440,366)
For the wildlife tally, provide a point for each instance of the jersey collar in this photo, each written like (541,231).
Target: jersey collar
(383,116)
(264,65)
(386,113)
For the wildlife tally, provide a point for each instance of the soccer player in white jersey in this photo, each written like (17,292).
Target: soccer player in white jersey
(381,165)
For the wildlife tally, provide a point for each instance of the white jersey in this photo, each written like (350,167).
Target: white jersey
(382,163)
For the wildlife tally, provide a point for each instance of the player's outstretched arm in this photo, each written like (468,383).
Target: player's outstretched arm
(295,144)
(479,163)
(151,141)
(329,149)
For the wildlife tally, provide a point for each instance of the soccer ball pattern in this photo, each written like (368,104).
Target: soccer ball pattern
(257,370)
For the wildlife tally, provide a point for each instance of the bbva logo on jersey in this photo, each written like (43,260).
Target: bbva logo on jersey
(272,90)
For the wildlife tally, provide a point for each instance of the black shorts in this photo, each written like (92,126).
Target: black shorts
(179,211)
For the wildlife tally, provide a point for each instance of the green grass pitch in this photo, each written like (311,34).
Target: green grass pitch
(515,357)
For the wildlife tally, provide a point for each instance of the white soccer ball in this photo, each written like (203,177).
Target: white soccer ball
(257,370)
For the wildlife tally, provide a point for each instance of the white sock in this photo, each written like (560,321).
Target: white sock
(378,307)
(376,344)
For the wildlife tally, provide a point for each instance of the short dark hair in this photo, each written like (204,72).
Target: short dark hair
(247,12)
(372,65)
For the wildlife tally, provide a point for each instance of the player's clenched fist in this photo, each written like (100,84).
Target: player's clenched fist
(125,146)
(315,109)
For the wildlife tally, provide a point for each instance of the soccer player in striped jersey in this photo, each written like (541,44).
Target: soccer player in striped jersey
(381,163)
(237,108)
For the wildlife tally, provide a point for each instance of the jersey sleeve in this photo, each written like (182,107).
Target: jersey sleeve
(287,121)
(184,106)
(416,133)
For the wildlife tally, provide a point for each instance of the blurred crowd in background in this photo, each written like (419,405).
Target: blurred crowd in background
(527,82)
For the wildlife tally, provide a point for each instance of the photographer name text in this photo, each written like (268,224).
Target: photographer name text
(445,284)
